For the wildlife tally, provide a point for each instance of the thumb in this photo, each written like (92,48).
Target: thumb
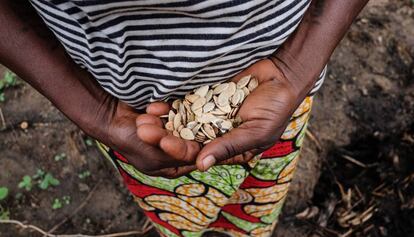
(237,141)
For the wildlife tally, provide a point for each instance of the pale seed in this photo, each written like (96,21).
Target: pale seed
(243,81)
(177,121)
(198,104)
(231,89)
(24,125)
(176,104)
(209,95)
(208,107)
(198,112)
(226,125)
(202,91)
(218,112)
(223,99)
(215,85)
(226,109)
(205,118)
(200,134)
(192,97)
(200,137)
(187,134)
(253,84)
(220,88)
(216,131)
(196,128)
(184,118)
(191,124)
(246,91)
(209,131)
(237,121)
(171,116)
(235,99)
(181,108)
(217,123)
(169,126)
(190,116)
(233,112)
(180,128)
(221,116)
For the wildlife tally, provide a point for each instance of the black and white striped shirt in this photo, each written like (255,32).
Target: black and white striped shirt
(149,50)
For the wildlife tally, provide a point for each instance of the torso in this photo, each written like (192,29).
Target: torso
(150,50)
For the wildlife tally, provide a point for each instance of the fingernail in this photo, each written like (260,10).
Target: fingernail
(208,161)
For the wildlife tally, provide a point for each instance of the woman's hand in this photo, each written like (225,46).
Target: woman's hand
(265,114)
(121,136)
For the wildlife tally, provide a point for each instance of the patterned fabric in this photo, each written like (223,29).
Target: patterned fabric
(142,51)
(234,199)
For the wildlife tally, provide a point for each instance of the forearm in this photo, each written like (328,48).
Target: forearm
(303,56)
(42,62)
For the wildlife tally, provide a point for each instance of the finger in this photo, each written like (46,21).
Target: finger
(151,134)
(242,158)
(264,67)
(237,141)
(158,108)
(238,159)
(180,149)
(148,119)
(176,172)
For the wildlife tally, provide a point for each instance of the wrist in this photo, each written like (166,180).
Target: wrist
(83,101)
(300,78)
(96,122)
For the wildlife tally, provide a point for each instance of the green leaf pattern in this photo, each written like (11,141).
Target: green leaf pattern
(269,169)
(301,135)
(272,217)
(158,182)
(226,178)
(242,224)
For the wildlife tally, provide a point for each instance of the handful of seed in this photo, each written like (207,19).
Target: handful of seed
(209,112)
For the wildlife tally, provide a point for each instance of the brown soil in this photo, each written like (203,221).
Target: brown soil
(364,112)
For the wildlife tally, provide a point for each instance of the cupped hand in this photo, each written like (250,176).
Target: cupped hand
(146,156)
(265,114)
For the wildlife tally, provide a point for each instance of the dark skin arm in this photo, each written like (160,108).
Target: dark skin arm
(297,65)
(29,49)
(285,80)
(303,56)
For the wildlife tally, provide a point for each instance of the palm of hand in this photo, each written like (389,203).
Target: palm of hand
(147,158)
(265,114)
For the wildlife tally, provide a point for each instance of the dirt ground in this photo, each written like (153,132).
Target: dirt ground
(355,177)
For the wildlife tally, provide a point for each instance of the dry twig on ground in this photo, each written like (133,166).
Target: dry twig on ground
(41,231)
(314,139)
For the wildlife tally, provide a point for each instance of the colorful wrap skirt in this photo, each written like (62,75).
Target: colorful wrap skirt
(239,200)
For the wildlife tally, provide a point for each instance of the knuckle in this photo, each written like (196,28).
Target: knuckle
(148,167)
(145,169)
(231,150)
(169,173)
(268,135)
(264,138)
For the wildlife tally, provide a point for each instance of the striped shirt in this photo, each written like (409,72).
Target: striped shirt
(149,50)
